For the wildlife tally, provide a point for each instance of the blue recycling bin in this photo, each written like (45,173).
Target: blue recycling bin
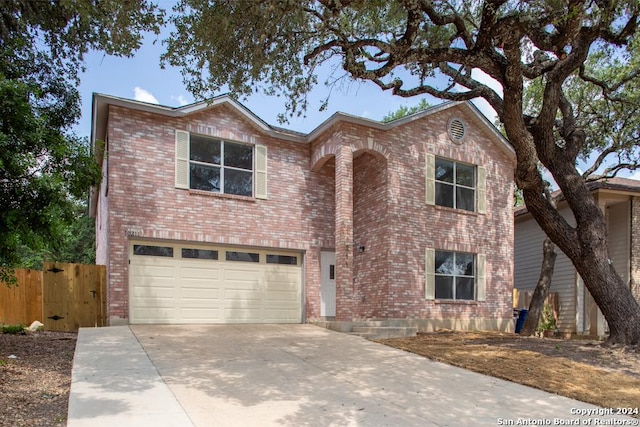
(520,322)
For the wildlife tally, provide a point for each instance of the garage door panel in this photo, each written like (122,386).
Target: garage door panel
(188,290)
(153,270)
(247,295)
(200,272)
(156,292)
(286,297)
(201,315)
(281,287)
(200,305)
(242,314)
(250,274)
(200,293)
(241,287)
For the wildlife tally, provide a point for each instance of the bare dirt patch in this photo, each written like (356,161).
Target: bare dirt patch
(35,378)
(607,376)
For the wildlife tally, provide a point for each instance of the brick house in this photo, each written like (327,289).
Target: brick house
(206,214)
(619,199)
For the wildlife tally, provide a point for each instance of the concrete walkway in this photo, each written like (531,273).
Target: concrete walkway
(291,375)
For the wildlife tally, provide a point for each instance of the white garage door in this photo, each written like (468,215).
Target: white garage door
(183,283)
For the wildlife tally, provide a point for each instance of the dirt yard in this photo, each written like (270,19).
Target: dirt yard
(35,376)
(580,369)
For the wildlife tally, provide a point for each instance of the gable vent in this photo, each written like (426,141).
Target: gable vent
(457,130)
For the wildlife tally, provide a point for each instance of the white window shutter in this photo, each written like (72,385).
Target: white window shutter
(482,190)
(261,172)
(430,179)
(430,274)
(481,280)
(182,159)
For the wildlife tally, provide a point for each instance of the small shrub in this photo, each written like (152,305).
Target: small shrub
(13,329)
(547,320)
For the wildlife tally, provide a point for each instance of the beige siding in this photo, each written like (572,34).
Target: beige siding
(528,260)
(618,222)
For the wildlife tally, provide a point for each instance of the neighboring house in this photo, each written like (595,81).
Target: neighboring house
(206,214)
(619,199)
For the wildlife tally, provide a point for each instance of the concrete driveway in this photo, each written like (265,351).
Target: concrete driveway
(286,375)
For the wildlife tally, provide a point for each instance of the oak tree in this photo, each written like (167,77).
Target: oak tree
(453,50)
(44,168)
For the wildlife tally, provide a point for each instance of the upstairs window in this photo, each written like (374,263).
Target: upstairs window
(220,166)
(210,164)
(455,185)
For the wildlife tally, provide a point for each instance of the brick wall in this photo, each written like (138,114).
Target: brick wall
(370,233)
(379,194)
(144,203)
(412,226)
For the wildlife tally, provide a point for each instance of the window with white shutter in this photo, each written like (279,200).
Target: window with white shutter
(210,164)
(430,183)
(455,185)
(182,159)
(482,190)
(454,275)
(429,274)
(261,172)
(481,281)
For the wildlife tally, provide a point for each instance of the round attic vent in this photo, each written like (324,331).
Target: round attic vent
(457,130)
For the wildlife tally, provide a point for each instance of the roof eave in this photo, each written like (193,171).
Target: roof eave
(101,102)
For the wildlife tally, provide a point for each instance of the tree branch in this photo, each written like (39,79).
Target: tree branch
(598,162)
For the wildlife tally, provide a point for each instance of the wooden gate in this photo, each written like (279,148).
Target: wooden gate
(74,296)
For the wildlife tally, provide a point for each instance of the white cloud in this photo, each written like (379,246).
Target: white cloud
(143,95)
(635,175)
(180,99)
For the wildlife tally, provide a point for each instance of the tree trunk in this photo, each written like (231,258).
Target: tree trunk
(542,288)
(536,142)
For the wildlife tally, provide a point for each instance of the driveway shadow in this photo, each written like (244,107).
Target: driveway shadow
(307,376)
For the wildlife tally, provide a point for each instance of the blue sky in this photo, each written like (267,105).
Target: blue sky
(140,77)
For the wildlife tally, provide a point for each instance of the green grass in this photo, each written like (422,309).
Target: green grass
(13,329)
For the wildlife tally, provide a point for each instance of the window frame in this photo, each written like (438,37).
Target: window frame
(455,185)
(480,276)
(222,167)
(455,276)
(182,168)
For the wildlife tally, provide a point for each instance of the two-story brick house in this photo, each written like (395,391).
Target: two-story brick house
(206,214)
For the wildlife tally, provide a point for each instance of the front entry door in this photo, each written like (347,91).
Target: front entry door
(328,284)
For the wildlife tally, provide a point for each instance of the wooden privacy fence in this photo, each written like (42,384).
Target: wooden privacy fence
(63,297)
(22,303)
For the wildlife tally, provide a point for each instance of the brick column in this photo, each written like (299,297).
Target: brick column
(344,234)
(635,247)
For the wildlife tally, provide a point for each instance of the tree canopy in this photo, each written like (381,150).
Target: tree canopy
(404,111)
(452,50)
(44,168)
